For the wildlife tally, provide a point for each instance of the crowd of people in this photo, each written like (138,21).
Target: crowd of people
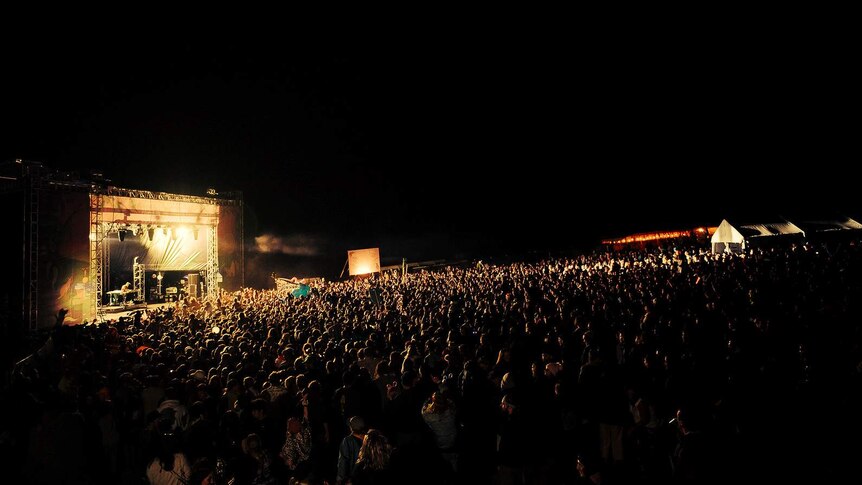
(651,366)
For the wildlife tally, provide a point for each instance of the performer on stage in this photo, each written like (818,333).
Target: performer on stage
(125,290)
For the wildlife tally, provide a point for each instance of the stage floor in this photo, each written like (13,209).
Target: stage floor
(111,309)
(118,313)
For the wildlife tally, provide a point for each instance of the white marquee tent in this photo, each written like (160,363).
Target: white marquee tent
(727,239)
(785,228)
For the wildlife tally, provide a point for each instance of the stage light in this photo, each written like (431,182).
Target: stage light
(150,233)
(122,234)
(173,234)
(195,233)
(165,231)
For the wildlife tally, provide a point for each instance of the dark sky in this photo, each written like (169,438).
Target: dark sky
(437,149)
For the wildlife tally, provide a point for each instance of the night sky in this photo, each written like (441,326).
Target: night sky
(484,145)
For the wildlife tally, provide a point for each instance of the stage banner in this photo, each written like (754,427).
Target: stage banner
(363,261)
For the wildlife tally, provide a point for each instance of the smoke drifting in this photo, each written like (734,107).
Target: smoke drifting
(294,245)
(300,255)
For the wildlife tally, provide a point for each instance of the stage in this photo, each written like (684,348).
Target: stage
(112,314)
(83,239)
(132,309)
(122,308)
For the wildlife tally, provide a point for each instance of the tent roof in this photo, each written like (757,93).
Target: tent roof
(838,224)
(726,233)
(771,229)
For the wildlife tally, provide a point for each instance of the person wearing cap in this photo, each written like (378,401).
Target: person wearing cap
(348,451)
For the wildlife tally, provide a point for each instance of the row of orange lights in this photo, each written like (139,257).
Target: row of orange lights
(655,236)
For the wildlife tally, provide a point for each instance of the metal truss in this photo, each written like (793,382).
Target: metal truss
(138,280)
(212,263)
(147,194)
(31,268)
(97,253)
(106,257)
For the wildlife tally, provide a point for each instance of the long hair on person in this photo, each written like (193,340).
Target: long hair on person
(253,447)
(375,451)
(168,446)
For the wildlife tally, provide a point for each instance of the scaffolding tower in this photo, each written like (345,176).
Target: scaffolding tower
(138,280)
(106,256)
(212,264)
(97,253)
(33,174)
